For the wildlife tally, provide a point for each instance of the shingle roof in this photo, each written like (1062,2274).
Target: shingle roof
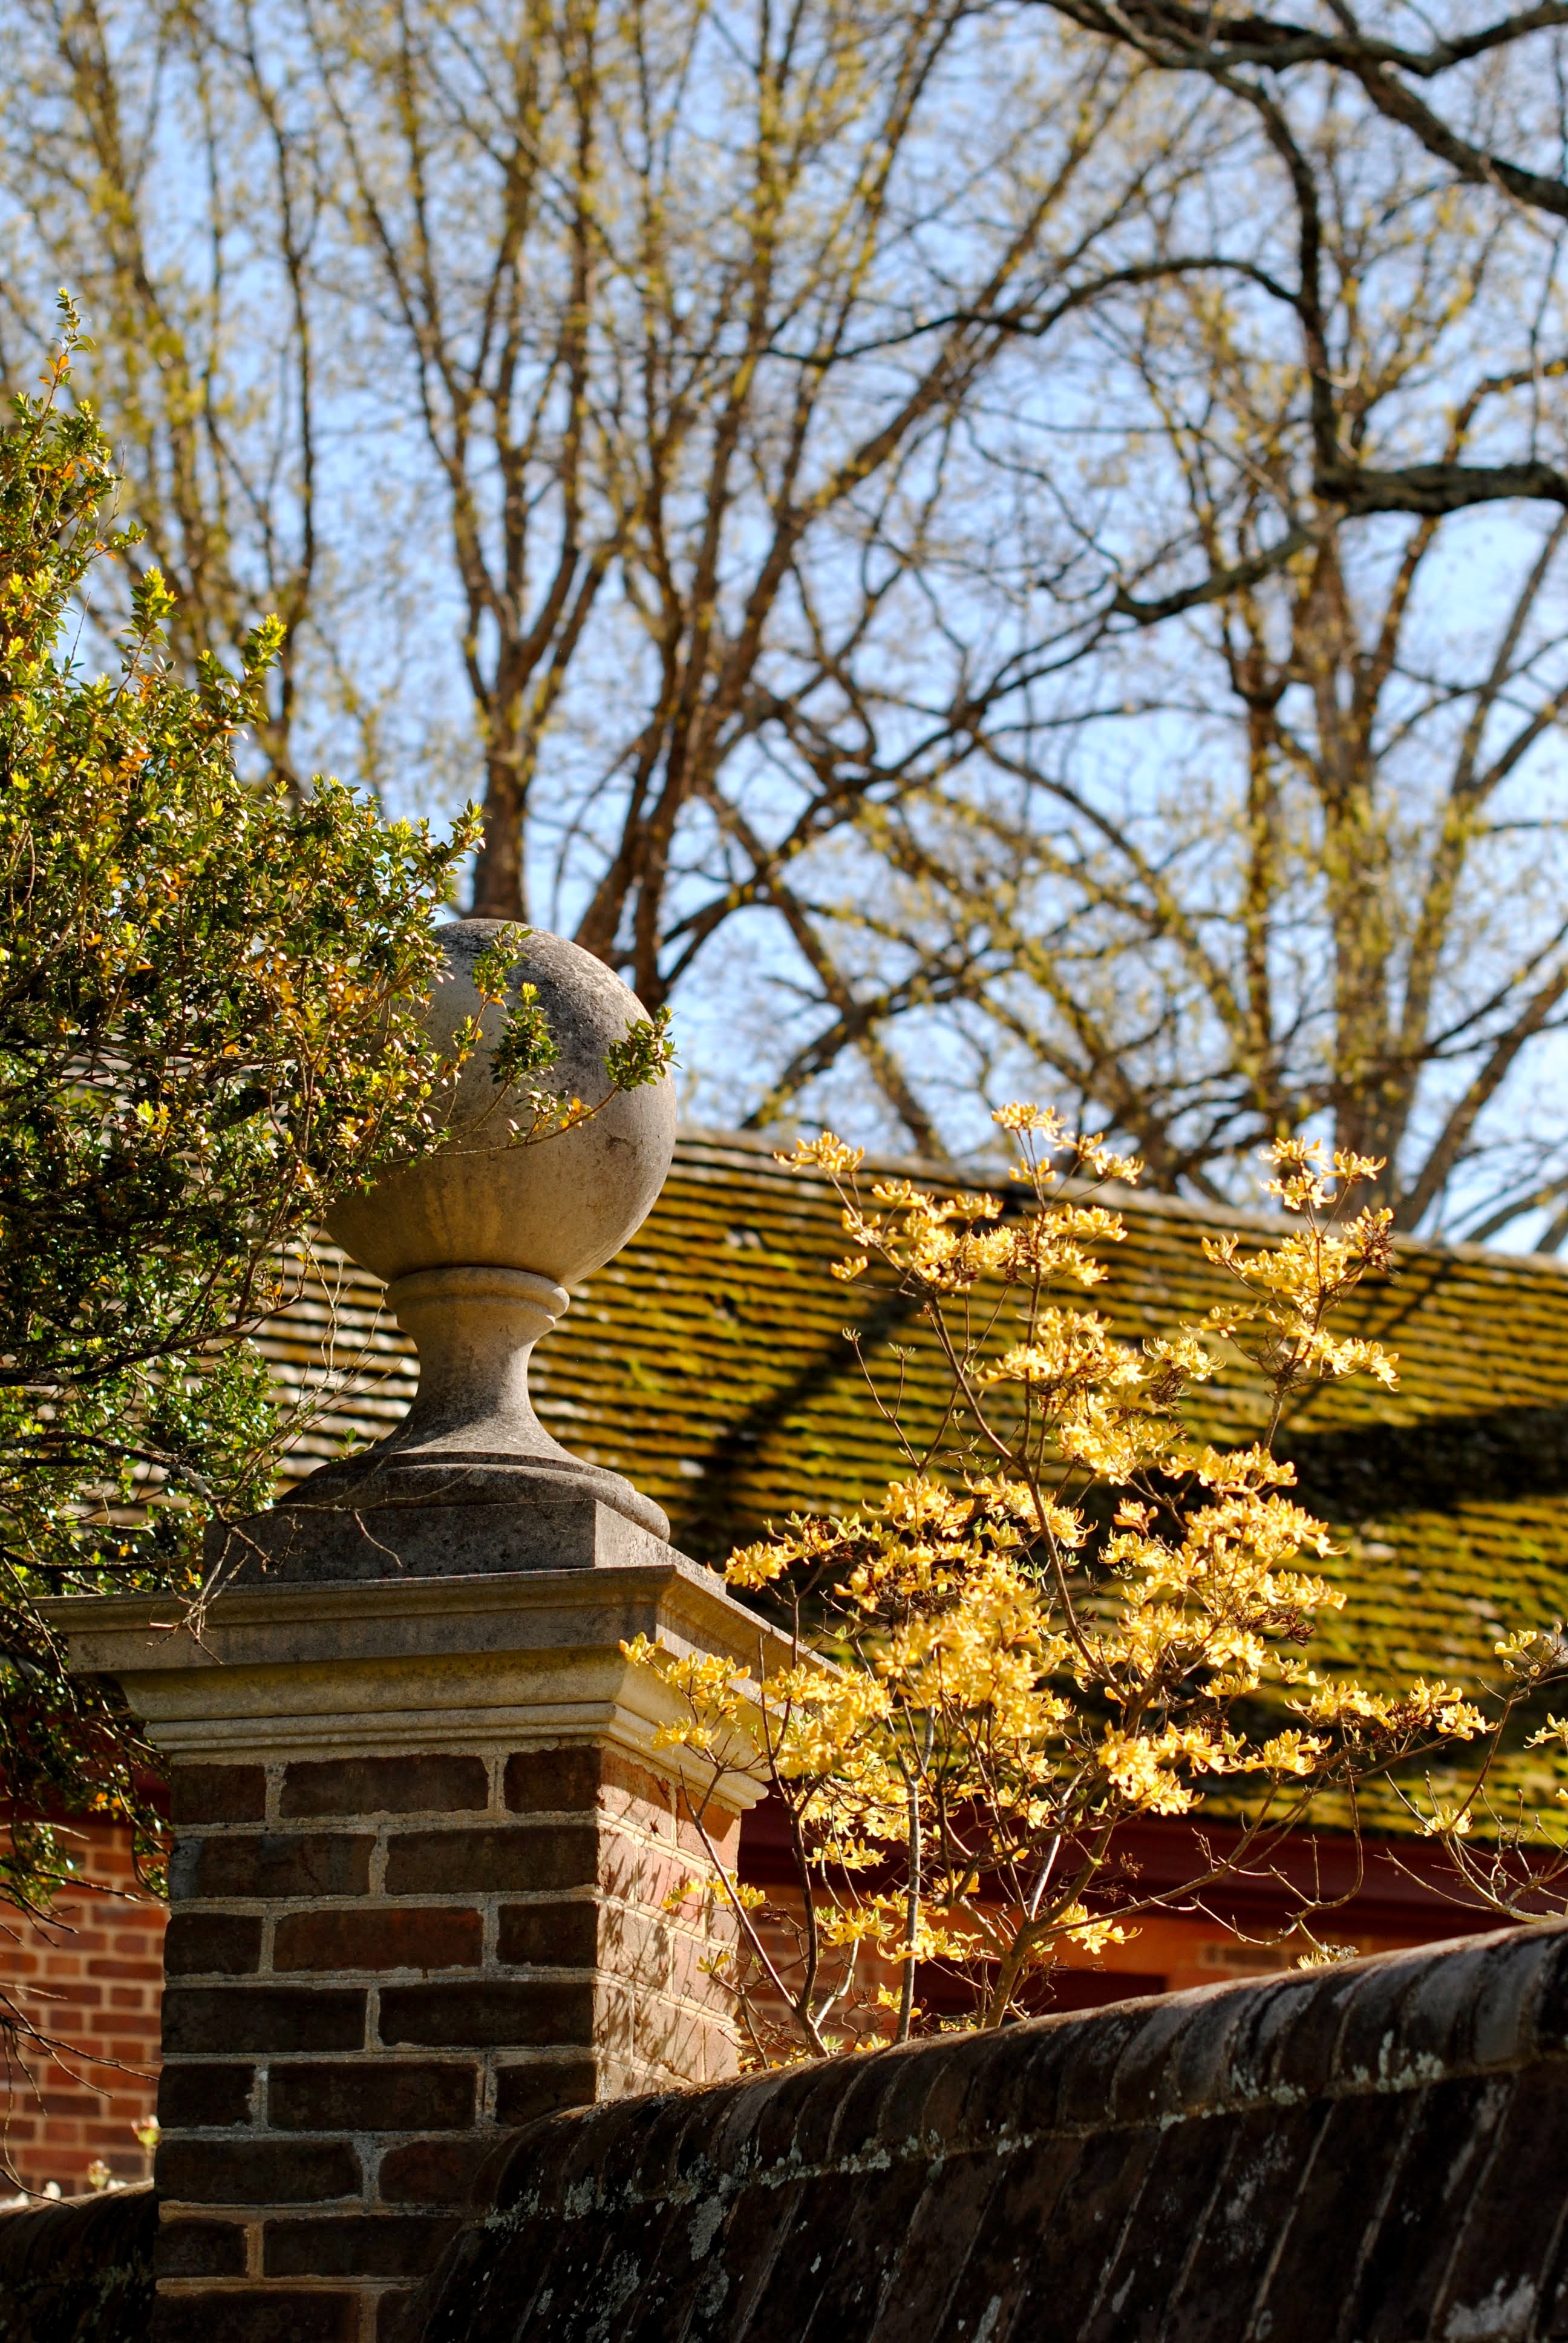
(708,1362)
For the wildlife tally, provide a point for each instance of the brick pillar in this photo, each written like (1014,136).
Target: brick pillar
(420,1890)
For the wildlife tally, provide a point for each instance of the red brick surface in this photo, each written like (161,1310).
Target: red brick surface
(382,1937)
(198,1943)
(554,1934)
(219,1793)
(198,2018)
(201,2249)
(361,2009)
(397,2245)
(256,2171)
(251,2315)
(434,2171)
(193,2096)
(543,2088)
(270,1864)
(388,2095)
(91,1979)
(532,1855)
(391,1785)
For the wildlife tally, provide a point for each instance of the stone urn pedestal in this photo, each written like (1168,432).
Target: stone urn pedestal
(430,1877)
(478,1245)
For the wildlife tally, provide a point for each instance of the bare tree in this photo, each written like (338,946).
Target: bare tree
(1484,102)
(946,517)
(683,294)
(166,166)
(683,307)
(1287,852)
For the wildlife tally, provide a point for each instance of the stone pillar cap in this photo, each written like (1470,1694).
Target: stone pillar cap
(507,1659)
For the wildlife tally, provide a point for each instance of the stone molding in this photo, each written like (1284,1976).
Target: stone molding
(513,1659)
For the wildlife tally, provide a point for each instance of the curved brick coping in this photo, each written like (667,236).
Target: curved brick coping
(1370,2151)
(79,2272)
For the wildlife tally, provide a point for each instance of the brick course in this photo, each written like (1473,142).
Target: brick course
(252,2315)
(270,1865)
(520,1855)
(256,2171)
(193,2098)
(359,2010)
(199,1943)
(440,2171)
(202,2250)
(380,1938)
(261,2018)
(386,2096)
(390,1785)
(554,1934)
(549,2010)
(219,1793)
(398,2245)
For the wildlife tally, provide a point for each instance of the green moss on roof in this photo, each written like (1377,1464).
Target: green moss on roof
(709,1363)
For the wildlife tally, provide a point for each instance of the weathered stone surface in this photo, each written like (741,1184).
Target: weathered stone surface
(465,1531)
(422,1665)
(1363,2155)
(80,2272)
(480,1239)
(559,1209)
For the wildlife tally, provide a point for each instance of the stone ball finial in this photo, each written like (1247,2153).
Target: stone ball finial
(560,1207)
(479,1241)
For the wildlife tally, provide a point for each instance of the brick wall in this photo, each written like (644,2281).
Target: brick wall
(377,1967)
(92,1978)
(1370,2151)
(1379,1896)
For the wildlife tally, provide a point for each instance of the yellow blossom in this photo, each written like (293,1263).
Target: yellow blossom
(1068,1613)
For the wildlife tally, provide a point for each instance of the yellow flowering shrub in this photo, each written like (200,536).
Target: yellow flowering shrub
(1508,1842)
(1067,1614)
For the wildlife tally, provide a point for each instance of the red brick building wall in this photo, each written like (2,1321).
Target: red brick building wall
(92,1978)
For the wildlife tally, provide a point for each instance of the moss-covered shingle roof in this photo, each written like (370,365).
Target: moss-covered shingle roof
(708,1362)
